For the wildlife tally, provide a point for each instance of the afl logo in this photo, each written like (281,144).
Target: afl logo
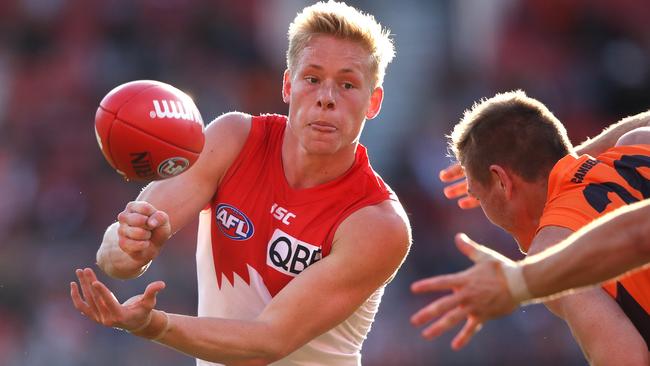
(233,223)
(173,166)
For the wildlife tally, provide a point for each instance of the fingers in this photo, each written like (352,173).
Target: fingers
(448,321)
(437,283)
(134,232)
(452,173)
(78,302)
(456,190)
(91,310)
(476,252)
(436,309)
(149,296)
(108,304)
(466,246)
(158,219)
(471,327)
(468,202)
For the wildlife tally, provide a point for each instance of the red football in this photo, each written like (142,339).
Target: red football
(149,130)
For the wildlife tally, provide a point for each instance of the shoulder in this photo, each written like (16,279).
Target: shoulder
(225,138)
(232,125)
(382,229)
(638,136)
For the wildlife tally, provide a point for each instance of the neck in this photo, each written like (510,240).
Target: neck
(303,169)
(533,200)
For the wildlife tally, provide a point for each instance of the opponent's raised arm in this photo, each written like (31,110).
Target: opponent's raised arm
(610,135)
(369,246)
(164,207)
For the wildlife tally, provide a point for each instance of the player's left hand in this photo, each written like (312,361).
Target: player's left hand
(99,303)
(479,293)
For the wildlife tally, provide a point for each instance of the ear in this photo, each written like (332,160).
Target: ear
(504,180)
(286,86)
(376,98)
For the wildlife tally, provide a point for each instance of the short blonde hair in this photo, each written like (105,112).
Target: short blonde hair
(512,130)
(345,22)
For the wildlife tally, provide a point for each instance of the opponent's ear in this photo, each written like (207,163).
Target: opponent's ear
(286,86)
(376,98)
(502,179)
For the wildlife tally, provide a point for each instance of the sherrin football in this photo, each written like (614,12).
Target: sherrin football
(149,130)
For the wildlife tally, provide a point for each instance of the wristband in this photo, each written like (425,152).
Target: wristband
(155,329)
(516,283)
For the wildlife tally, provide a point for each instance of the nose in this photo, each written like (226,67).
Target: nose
(326,98)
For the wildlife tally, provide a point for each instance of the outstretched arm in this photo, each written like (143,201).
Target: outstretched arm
(608,247)
(344,279)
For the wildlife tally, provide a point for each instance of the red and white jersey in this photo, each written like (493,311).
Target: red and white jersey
(258,234)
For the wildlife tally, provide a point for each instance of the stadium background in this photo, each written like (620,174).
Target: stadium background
(588,60)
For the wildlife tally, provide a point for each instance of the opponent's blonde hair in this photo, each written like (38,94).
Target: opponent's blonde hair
(342,21)
(513,130)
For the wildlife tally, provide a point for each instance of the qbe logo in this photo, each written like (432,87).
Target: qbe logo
(289,255)
(234,223)
(173,166)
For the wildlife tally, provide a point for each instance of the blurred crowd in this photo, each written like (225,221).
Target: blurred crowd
(588,60)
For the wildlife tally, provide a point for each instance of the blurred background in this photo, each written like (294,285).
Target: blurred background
(588,60)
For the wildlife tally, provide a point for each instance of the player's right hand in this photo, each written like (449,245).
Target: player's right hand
(458,189)
(142,230)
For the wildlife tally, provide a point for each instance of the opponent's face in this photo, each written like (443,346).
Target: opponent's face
(493,202)
(330,93)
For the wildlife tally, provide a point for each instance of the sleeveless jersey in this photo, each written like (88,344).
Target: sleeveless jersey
(258,234)
(582,189)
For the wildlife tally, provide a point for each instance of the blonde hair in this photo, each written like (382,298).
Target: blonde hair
(512,130)
(342,21)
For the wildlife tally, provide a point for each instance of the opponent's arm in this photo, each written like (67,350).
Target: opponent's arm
(165,206)
(610,135)
(606,248)
(599,325)
(369,246)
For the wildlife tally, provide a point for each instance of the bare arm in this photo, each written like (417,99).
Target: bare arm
(164,207)
(599,325)
(609,136)
(608,247)
(345,279)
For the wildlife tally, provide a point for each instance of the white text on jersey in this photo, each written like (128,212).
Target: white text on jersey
(282,214)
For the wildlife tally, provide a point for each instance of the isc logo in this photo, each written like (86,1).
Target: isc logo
(289,255)
(233,223)
(175,109)
(173,166)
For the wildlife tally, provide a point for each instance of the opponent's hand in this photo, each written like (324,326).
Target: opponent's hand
(479,293)
(99,303)
(458,189)
(142,230)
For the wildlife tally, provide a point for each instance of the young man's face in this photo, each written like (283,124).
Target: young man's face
(330,94)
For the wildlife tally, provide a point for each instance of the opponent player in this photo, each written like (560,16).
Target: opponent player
(516,157)
(300,235)
(606,248)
